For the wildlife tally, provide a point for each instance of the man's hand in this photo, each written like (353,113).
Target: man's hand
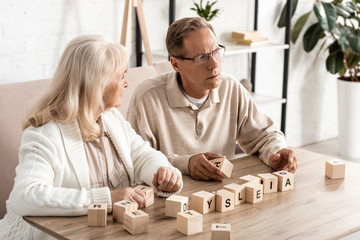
(283,160)
(133,195)
(201,169)
(167,179)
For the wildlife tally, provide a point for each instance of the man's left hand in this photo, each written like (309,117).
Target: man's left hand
(283,160)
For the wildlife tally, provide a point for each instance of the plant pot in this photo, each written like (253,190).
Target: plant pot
(349,118)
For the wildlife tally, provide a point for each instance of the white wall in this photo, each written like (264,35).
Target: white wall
(34,33)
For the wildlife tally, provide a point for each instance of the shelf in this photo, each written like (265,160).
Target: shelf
(234,49)
(262,99)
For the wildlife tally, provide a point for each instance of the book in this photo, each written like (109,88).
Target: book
(251,42)
(246,35)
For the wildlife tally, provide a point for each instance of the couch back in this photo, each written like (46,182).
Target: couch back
(15,101)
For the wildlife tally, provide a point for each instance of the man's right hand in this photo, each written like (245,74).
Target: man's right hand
(201,169)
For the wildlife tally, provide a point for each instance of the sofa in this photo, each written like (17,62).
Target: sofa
(15,101)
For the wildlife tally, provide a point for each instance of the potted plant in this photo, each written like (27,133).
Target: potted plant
(206,12)
(336,28)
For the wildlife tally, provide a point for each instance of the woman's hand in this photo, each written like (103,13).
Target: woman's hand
(133,195)
(167,179)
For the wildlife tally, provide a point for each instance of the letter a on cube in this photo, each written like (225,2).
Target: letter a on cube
(286,180)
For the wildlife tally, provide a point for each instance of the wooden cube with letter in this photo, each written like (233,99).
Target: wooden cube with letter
(189,222)
(203,202)
(224,200)
(220,231)
(269,181)
(238,190)
(224,165)
(175,204)
(136,222)
(97,215)
(335,169)
(286,180)
(149,194)
(119,209)
(249,178)
(254,192)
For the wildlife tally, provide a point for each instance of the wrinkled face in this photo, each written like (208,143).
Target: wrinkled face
(113,92)
(198,80)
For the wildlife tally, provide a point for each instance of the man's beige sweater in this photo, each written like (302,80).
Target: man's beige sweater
(161,114)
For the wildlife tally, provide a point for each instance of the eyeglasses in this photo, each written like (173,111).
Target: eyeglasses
(203,58)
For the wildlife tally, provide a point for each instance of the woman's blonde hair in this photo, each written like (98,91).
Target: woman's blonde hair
(86,67)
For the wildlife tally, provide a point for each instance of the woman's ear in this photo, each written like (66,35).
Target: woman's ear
(175,64)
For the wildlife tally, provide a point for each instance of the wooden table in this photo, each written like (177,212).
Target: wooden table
(318,208)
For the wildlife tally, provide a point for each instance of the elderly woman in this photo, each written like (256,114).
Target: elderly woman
(77,149)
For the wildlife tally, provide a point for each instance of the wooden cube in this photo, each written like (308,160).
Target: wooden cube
(97,215)
(189,222)
(175,204)
(203,202)
(225,200)
(335,169)
(136,222)
(254,192)
(119,208)
(238,190)
(269,181)
(220,231)
(286,180)
(224,165)
(249,178)
(149,194)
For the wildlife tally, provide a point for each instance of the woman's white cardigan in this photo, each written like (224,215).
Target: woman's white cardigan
(52,178)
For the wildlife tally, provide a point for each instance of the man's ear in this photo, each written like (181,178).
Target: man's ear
(175,64)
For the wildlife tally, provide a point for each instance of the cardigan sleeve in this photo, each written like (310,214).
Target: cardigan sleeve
(45,183)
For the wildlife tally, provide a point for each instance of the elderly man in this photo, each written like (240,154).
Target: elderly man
(196,113)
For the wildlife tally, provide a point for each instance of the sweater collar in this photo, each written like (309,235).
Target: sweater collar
(177,99)
(75,151)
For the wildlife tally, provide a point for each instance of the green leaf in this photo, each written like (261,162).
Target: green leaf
(341,34)
(299,25)
(352,6)
(334,48)
(326,15)
(312,36)
(282,20)
(341,11)
(352,60)
(354,41)
(335,62)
